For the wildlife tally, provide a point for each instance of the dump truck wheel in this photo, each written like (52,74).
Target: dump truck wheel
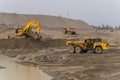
(78,49)
(98,50)
(73,33)
(71,49)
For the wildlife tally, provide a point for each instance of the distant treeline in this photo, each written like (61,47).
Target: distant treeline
(106,27)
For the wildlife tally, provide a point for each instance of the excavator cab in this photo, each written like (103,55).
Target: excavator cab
(18,31)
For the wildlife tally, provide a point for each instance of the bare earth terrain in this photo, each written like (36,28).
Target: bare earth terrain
(62,65)
(51,55)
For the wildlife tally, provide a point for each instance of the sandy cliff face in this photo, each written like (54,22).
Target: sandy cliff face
(46,21)
(51,26)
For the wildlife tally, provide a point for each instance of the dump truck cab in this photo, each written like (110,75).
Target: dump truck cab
(95,44)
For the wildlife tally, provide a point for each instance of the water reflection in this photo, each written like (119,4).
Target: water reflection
(16,71)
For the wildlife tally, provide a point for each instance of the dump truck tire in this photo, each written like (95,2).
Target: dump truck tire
(98,50)
(78,49)
(71,49)
(73,33)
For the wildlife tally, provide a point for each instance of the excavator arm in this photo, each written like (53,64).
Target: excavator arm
(32,24)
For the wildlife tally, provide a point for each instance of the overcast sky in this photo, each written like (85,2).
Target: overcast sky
(95,12)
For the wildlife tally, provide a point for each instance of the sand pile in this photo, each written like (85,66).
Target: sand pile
(51,26)
(50,22)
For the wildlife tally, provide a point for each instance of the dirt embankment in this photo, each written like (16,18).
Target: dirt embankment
(31,43)
(49,22)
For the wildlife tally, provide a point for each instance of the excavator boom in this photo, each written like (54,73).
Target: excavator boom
(32,24)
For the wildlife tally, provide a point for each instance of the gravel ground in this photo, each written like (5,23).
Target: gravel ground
(62,65)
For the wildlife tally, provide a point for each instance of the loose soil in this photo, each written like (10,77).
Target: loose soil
(53,57)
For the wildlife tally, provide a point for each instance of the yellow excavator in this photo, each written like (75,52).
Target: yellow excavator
(27,31)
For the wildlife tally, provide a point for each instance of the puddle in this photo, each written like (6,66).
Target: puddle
(14,71)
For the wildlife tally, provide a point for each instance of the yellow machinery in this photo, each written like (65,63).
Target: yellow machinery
(69,31)
(27,30)
(95,44)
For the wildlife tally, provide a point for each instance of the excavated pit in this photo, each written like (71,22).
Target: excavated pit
(51,56)
(31,43)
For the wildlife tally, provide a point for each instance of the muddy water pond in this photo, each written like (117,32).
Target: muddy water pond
(14,71)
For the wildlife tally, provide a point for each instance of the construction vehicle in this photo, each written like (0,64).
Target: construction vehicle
(69,31)
(96,44)
(27,31)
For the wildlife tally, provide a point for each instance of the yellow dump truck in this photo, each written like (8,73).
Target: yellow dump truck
(69,31)
(96,44)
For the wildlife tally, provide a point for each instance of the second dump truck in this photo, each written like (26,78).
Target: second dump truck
(69,31)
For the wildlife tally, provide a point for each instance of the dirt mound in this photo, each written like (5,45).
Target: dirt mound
(51,26)
(31,44)
(13,19)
